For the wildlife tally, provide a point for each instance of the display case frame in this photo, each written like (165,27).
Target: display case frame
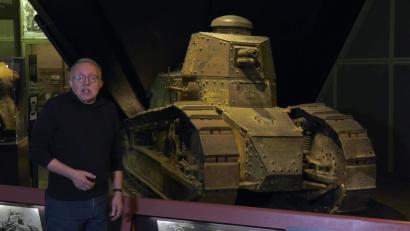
(255,217)
(219,214)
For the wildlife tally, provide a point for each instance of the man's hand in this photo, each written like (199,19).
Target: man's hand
(82,179)
(116,206)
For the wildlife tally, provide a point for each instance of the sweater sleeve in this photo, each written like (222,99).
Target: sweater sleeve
(116,149)
(41,135)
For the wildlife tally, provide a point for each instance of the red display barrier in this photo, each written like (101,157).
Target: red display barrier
(220,214)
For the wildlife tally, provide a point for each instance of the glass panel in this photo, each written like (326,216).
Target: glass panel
(372,39)
(402,32)
(326,93)
(401,120)
(30,27)
(7,45)
(363,93)
(6,3)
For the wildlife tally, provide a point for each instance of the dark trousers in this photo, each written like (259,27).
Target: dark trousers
(89,215)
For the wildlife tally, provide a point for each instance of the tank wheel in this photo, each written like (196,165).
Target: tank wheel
(339,160)
(324,173)
(323,179)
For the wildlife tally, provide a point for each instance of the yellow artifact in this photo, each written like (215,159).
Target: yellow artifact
(213,133)
(7,105)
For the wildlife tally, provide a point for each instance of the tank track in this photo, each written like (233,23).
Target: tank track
(198,157)
(219,154)
(206,150)
(357,157)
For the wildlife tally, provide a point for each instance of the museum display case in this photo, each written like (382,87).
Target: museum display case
(11,118)
(11,69)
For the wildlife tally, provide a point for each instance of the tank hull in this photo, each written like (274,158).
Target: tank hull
(194,151)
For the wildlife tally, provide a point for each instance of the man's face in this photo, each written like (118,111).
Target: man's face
(85,82)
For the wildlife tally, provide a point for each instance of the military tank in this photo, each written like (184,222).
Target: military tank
(213,132)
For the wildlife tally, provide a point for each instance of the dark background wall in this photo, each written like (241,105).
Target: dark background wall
(139,40)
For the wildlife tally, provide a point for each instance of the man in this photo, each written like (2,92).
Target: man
(77,138)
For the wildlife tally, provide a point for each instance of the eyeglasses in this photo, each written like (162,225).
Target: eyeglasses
(81,78)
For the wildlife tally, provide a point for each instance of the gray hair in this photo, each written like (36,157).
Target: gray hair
(86,60)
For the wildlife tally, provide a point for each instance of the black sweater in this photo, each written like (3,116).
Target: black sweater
(82,136)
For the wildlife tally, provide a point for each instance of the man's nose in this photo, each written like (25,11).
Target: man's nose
(87,81)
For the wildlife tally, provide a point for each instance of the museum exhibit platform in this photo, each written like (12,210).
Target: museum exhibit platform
(155,214)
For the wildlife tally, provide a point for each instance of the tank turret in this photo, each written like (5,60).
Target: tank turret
(225,69)
(232,24)
(214,133)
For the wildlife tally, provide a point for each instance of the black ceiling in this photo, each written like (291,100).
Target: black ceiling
(138,39)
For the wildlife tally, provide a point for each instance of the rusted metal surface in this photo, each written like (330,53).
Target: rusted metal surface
(198,153)
(346,159)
